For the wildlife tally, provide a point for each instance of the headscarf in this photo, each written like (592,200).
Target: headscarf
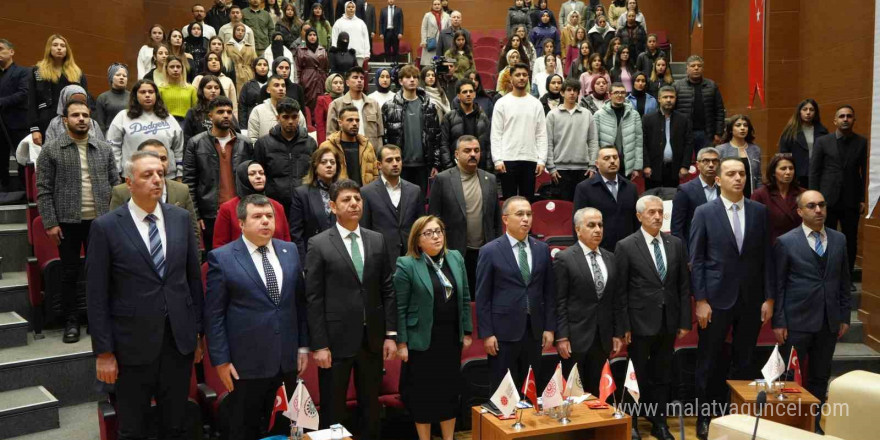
(342,41)
(601,30)
(65,95)
(243,187)
(193,40)
(550,95)
(277,61)
(639,95)
(328,85)
(376,79)
(277,46)
(541,22)
(593,89)
(111,72)
(312,46)
(509,54)
(260,78)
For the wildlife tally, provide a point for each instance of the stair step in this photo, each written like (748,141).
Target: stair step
(13,213)
(14,294)
(856,329)
(79,422)
(15,248)
(66,370)
(13,330)
(27,410)
(849,356)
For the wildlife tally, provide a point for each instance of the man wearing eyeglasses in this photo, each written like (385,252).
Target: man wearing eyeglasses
(694,193)
(812,291)
(174,192)
(619,124)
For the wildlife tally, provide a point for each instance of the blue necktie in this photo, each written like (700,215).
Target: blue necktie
(819,248)
(156,252)
(612,186)
(737,229)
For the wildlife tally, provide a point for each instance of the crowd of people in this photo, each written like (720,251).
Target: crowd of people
(371,239)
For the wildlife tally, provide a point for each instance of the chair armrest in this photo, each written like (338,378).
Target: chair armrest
(206,393)
(741,427)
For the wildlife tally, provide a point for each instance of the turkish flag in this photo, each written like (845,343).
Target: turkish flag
(756,51)
(529,389)
(795,364)
(280,404)
(606,383)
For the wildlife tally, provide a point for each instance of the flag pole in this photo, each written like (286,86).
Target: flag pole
(617,413)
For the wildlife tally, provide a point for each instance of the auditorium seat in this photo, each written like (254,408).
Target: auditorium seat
(485,64)
(389,391)
(552,218)
(488,41)
(488,52)
(43,272)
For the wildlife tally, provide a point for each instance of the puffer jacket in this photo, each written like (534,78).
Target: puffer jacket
(201,170)
(713,104)
(366,152)
(631,130)
(393,115)
(452,128)
(518,16)
(285,162)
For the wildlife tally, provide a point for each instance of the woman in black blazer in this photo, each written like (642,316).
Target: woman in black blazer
(797,138)
(433,325)
(310,206)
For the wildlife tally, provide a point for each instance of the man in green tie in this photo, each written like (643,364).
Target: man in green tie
(352,309)
(515,296)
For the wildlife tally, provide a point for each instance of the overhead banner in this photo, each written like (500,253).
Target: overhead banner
(874,159)
(756,52)
(696,14)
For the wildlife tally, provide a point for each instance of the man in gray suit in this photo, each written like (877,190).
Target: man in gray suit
(812,297)
(466,199)
(656,293)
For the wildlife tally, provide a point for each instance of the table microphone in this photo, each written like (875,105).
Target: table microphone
(760,401)
(680,406)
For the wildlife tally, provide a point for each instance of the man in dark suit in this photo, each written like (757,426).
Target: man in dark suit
(466,199)
(255,318)
(515,296)
(145,303)
(612,194)
(391,29)
(838,169)
(669,143)
(812,291)
(391,204)
(367,12)
(694,193)
(656,293)
(13,105)
(352,309)
(589,313)
(733,283)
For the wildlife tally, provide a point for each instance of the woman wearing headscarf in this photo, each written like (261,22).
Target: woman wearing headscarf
(56,126)
(516,43)
(334,86)
(249,179)
(358,34)
(433,22)
(383,92)
(341,57)
(239,55)
(434,91)
(249,96)
(537,11)
(196,45)
(214,66)
(569,39)
(504,86)
(114,100)
(279,50)
(313,66)
(600,35)
(283,67)
(641,100)
(597,94)
(319,22)
(553,97)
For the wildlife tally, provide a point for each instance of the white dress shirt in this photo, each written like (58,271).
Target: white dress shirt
(390,24)
(599,260)
(649,239)
(394,191)
(711,192)
(811,240)
(257,258)
(513,245)
(143,226)
(741,214)
(344,233)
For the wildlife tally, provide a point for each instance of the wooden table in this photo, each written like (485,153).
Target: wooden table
(794,411)
(585,424)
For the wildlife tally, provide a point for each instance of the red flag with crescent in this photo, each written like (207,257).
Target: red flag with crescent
(756,51)
(529,389)
(795,364)
(279,405)
(606,383)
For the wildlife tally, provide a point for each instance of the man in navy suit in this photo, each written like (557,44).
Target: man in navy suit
(612,194)
(516,296)
(13,105)
(694,193)
(391,29)
(144,290)
(812,291)
(733,283)
(255,318)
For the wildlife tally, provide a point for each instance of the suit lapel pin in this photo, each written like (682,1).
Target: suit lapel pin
(284,250)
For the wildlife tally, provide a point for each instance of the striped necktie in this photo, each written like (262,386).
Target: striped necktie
(156,252)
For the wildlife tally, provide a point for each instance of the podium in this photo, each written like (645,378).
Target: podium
(794,411)
(585,423)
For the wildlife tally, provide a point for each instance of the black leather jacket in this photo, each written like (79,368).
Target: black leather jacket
(285,162)
(393,115)
(201,170)
(452,128)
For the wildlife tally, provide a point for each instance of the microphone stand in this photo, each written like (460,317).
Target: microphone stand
(761,401)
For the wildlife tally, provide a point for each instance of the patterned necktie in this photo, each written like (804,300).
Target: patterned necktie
(598,278)
(819,248)
(356,256)
(156,252)
(737,229)
(271,281)
(524,269)
(658,257)
(612,186)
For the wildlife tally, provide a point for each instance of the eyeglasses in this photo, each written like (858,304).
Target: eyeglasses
(432,233)
(812,206)
(619,93)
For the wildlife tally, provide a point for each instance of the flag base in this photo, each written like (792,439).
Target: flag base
(518,425)
(618,414)
(564,421)
(782,396)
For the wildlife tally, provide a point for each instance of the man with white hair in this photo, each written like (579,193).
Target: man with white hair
(358,34)
(655,281)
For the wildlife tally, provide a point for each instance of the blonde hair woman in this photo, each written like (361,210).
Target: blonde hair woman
(54,72)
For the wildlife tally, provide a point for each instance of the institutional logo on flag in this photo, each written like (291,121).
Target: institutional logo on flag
(631,383)
(606,383)
(506,397)
(573,386)
(302,408)
(774,367)
(552,396)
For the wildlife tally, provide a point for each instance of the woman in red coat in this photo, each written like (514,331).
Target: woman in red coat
(334,86)
(312,64)
(250,178)
(779,194)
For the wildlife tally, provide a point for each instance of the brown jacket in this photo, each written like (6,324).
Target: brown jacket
(369,162)
(371,121)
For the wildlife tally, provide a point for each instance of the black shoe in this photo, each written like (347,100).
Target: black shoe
(703,429)
(852,288)
(662,432)
(71,332)
(635,434)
